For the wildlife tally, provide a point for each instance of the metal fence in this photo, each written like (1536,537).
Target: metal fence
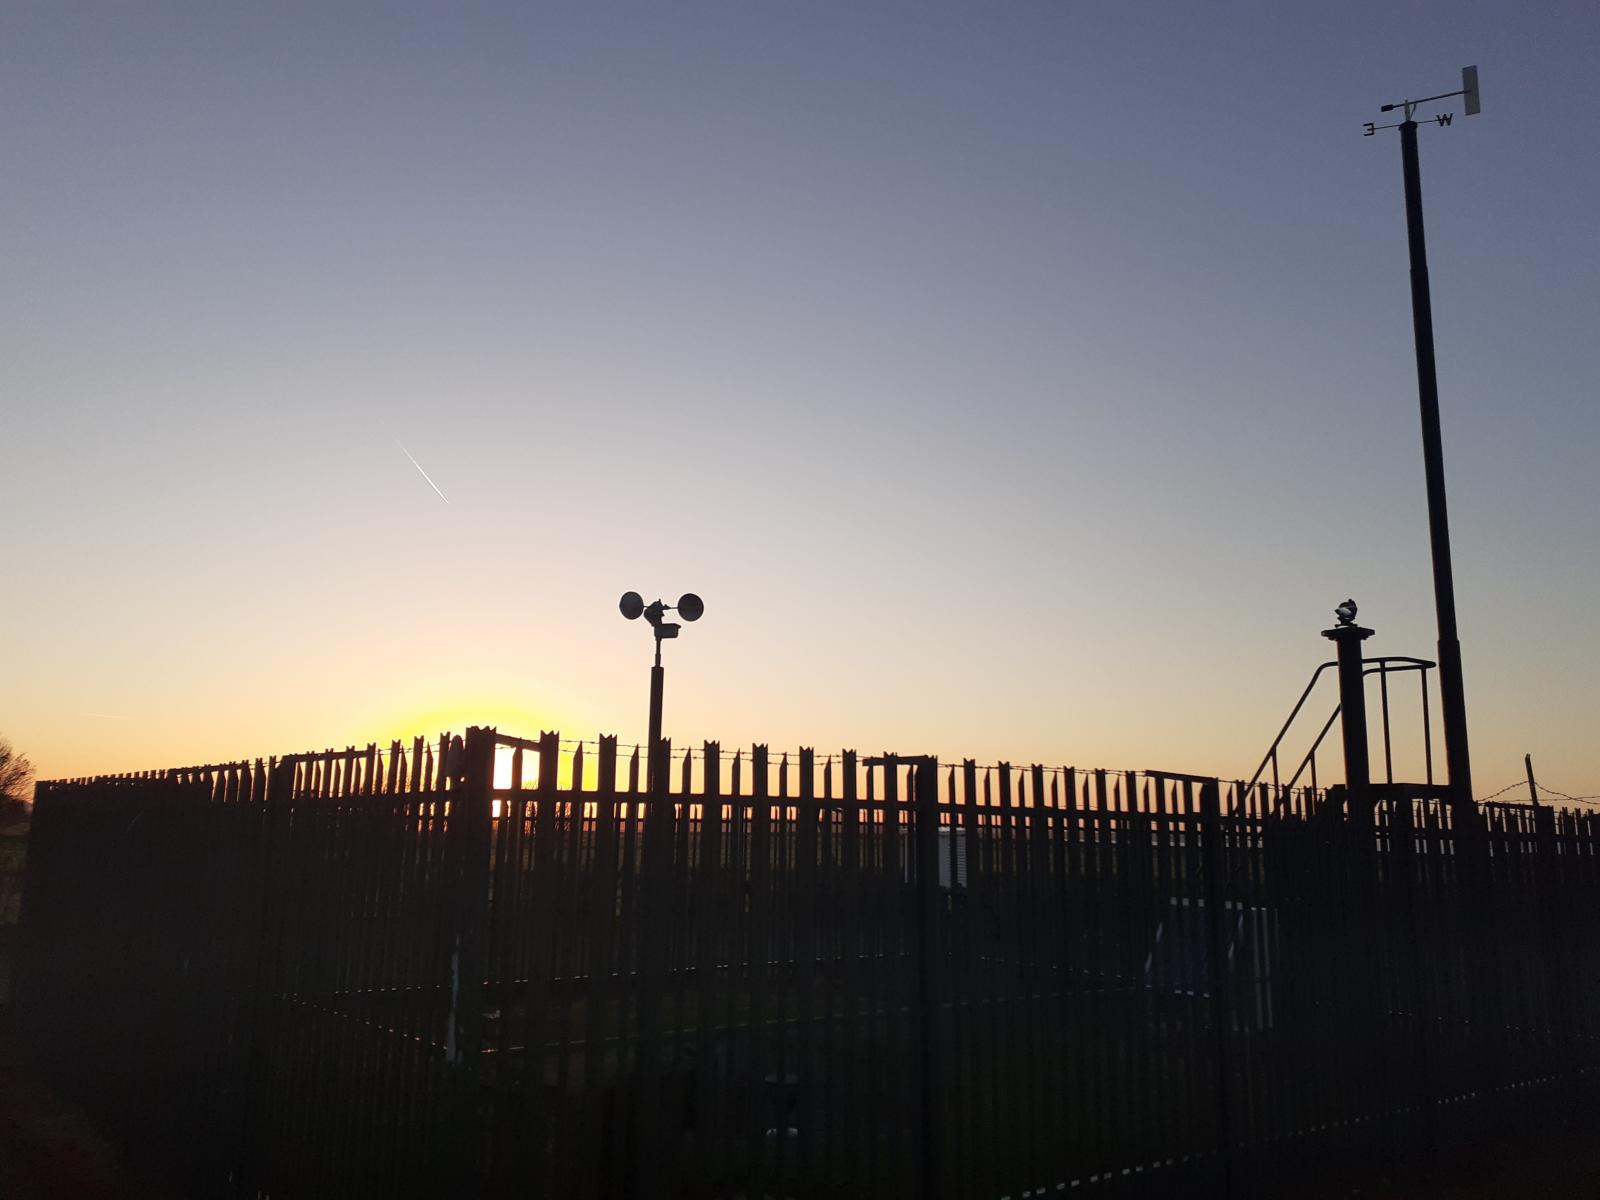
(490,966)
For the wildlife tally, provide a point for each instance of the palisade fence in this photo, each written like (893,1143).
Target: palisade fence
(490,966)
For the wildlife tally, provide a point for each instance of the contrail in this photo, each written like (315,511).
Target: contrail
(421,472)
(107,716)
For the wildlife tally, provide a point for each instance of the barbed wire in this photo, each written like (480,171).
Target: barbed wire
(1502,791)
(1544,790)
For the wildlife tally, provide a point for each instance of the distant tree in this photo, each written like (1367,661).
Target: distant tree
(16,782)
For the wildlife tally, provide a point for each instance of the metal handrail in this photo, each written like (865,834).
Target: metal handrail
(1380,668)
(1271,755)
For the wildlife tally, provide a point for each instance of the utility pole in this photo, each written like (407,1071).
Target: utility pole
(1452,693)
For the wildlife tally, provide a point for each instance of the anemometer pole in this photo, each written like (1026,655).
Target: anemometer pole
(655,864)
(658,679)
(1452,694)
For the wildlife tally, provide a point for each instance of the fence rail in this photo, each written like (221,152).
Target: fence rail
(496,966)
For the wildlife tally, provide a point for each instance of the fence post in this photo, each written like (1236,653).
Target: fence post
(655,864)
(1478,938)
(1403,857)
(261,1013)
(1216,926)
(1554,943)
(928,952)
(468,832)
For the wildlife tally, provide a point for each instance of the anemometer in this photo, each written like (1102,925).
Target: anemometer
(632,606)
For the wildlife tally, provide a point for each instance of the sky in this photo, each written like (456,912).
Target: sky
(1021,380)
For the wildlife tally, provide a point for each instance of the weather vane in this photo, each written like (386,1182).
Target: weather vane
(1469,104)
(1452,691)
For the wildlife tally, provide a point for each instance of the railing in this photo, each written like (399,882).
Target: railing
(1382,666)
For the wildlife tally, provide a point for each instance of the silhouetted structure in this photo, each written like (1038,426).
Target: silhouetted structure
(1452,691)
(492,966)
(632,607)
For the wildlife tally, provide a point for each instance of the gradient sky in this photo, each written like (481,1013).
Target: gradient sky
(1012,380)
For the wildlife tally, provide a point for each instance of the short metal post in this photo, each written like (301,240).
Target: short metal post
(1353,708)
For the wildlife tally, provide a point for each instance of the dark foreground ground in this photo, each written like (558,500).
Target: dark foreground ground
(1494,1173)
(50,1150)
